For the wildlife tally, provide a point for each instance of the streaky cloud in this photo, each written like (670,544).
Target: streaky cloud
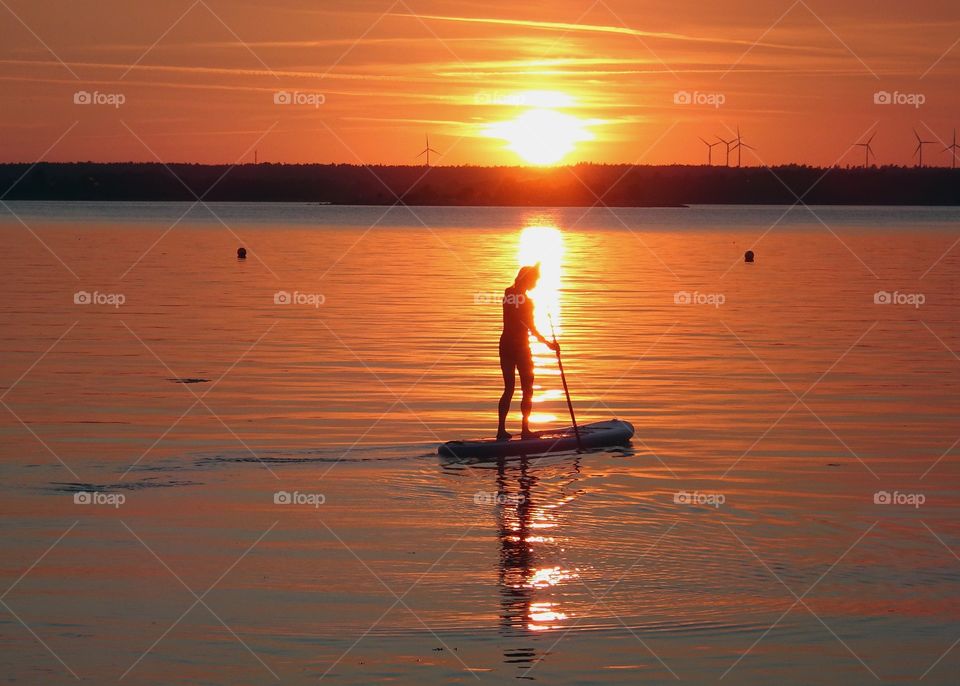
(599,28)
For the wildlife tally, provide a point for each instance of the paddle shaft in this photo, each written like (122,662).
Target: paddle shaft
(566,391)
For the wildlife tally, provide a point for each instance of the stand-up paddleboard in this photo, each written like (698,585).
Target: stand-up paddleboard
(597,435)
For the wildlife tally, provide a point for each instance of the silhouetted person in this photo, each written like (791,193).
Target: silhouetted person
(241,253)
(515,352)
(748,256)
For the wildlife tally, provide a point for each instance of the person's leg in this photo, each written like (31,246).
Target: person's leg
(525,366)
(508,369)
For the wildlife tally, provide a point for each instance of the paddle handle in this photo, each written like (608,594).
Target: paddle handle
(566,391)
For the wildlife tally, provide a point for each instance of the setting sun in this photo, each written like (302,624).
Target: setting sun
(542,135)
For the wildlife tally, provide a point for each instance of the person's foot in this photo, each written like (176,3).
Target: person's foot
(503,435)
(527,434)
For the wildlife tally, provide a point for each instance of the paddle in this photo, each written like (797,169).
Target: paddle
(563,378)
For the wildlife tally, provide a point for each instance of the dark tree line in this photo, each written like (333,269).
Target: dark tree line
(580,185)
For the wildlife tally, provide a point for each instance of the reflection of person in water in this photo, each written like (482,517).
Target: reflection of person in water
(527,604)
(516,553)
(516,561)
(515,355)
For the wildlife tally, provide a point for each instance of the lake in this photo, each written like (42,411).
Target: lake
(224,471)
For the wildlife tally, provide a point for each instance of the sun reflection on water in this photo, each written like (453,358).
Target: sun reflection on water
(543,616)
(533,580)
(547,576)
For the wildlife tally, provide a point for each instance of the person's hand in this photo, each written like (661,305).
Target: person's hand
(554,346)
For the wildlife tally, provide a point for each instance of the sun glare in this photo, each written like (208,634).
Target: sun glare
(544,99)
(544,244)
(542,135)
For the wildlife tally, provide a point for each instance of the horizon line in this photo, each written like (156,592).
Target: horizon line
(361,165)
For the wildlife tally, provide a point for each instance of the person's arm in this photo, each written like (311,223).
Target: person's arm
(532,328)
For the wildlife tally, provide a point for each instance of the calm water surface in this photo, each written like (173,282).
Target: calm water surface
(738,537)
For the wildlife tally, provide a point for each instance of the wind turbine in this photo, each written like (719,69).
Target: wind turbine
(953,147)
(920,144)
(427,151)
(740,144)
(867,150)
(727,144)
(710,147)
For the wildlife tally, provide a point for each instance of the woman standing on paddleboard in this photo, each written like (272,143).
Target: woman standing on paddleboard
(515,353)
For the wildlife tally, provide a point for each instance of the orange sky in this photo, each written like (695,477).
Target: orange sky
(799,78)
